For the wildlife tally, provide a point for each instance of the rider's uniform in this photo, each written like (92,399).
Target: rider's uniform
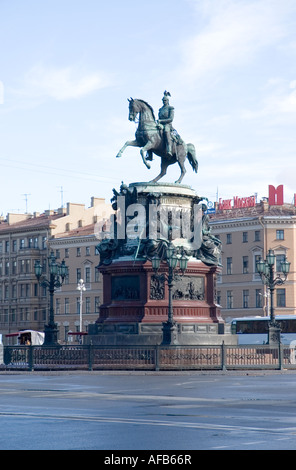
(165,117)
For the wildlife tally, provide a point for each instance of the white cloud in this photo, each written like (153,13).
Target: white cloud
(279,102)
(62,83)
(233,35)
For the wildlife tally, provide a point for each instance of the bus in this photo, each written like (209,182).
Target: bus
(254,330)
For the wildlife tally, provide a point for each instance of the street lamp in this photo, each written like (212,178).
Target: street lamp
(172,259)
(57,274)
(81,288)
(266,270)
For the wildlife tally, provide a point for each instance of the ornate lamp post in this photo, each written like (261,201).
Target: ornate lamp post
(57,275)
(169,328)
(266,270)
(81,288)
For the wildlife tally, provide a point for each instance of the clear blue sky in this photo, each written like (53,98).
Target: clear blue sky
(67,68)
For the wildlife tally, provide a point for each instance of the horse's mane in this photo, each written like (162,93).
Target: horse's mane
(150,107)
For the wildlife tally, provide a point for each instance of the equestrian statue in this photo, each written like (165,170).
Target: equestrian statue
(159,137)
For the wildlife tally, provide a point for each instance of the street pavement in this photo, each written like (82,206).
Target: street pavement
(157,411)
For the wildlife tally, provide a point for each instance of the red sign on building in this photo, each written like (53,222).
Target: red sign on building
(276,195)
(236,203)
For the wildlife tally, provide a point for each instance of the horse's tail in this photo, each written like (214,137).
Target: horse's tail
(191,155)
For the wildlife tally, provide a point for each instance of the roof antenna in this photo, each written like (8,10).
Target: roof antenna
(26,199)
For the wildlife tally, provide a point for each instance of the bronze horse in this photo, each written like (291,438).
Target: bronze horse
(149,137)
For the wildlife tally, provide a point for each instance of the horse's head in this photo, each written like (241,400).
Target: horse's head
(134,109)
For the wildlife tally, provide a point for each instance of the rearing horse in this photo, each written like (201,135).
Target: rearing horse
(149,137)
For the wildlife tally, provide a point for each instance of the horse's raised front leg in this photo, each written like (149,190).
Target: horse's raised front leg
(129,143)
(143,151)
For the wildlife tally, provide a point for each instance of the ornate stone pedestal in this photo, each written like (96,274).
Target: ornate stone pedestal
(135,304)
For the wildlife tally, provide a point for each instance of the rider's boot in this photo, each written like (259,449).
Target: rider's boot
(169,150)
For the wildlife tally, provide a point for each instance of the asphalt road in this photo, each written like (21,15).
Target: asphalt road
(148,411)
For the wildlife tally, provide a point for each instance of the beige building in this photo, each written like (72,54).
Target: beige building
(78,249)
(24,239)
(247,233)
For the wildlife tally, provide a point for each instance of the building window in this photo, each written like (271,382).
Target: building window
(97,304)
(66,252)
(279,260)
(66,331)
(280,234)
(245,299)
(229,238)
(28,290)
(6,267)
(6,292)
(245,264)
(229,299)
(14,266)
(67,306)
(78,305)
(58,306)
(259,297)
(87,275)
(13,292)
(78,274)
(257,259)
(87,251)
(281,297)
(229,266)
(218,297)
(257,235)
(87,305)
(78,251)
(245,237)
(22,266)
(27,265)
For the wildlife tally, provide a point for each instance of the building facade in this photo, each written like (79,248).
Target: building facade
(247,233)
(25,239)
(78,249)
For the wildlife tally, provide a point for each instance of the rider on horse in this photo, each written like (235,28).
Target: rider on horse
(165,119)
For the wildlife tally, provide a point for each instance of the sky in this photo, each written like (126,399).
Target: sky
(67,68)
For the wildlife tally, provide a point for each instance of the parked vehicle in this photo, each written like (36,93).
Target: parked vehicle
(254,330)
(28,337)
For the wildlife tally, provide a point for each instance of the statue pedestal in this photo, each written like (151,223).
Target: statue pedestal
(135,306)
(149,217)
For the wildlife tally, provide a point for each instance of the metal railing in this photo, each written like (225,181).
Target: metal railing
(92,357)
